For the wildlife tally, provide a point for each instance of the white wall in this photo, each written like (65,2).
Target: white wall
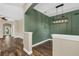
(16,14)
(65,45)
(10,11)
(18,25)
(28,42)
(17,28)
(1,26)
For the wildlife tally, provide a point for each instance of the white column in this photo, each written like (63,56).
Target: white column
(28,42)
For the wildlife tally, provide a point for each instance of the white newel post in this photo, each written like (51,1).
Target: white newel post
(28,42)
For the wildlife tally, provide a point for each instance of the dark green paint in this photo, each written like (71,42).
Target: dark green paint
(71,27)
(38,24)
(42,26)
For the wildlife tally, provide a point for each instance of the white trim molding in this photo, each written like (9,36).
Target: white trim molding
(28,52)
(28,42)
(65,37)
(41,42)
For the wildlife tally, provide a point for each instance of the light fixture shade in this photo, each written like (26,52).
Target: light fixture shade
(54,22)
(66,20)
(59,21)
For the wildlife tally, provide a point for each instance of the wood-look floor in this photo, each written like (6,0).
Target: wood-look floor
(44,49)
(12,53)
(13,48)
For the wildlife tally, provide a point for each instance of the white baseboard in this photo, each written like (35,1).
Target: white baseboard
(40,42)
(28,52)
(49,39)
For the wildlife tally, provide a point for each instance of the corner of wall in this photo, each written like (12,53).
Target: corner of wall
(28,52)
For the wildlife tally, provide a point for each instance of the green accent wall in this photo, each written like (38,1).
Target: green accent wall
(42,26)
(38,24)
(71,27)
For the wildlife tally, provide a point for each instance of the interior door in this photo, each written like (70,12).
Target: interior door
(6,29)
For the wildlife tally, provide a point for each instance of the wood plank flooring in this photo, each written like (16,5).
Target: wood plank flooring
(44,49)
(13,48)
(23,53)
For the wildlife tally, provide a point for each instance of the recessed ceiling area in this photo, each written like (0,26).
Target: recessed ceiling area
(49,9)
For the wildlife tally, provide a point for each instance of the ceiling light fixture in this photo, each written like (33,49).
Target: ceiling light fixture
(62,18)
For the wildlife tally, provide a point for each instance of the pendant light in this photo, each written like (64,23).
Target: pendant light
(62,18)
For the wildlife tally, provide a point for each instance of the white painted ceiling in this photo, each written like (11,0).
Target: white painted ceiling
(14,11)
(16,4)
(50,10)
